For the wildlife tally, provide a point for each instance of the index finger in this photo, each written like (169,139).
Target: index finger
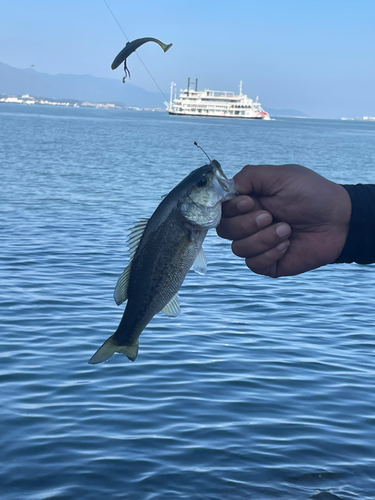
(239,205)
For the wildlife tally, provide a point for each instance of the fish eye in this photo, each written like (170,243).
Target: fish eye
(202,182)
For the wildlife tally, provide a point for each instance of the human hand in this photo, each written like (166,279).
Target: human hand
(287,219)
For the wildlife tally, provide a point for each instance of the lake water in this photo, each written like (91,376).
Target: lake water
(261,389)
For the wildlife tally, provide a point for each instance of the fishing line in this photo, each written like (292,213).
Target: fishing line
(136,53)
(114,17)
(198,146)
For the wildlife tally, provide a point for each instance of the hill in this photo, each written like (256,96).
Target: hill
(15,81)
(80,87)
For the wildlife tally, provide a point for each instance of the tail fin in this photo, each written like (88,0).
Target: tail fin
(167,47)
(110,347)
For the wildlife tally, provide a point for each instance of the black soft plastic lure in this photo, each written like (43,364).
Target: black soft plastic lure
(131,47)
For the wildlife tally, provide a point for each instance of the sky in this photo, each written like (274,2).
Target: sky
(316,56)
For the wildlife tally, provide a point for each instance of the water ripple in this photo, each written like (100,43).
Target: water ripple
(260,389)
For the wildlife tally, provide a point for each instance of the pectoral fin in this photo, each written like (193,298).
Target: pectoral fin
(173,307)
(200,263)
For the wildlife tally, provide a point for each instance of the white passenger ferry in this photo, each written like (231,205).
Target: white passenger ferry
(214,103)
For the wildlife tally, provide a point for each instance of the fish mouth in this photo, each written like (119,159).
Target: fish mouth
(217,169)
(226,185)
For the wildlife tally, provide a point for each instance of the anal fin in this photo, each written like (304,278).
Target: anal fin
(172,309)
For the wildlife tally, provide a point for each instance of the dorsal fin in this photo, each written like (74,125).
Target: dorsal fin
(121,290)
(135,236)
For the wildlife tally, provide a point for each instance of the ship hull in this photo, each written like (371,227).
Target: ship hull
(219,116)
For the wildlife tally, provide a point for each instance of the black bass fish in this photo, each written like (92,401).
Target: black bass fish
(162,250)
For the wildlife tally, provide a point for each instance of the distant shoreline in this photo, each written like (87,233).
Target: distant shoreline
(29,100)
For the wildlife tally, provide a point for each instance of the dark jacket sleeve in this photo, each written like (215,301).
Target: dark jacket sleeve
(360,243)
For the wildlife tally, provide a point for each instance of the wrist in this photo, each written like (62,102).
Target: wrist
(360,241)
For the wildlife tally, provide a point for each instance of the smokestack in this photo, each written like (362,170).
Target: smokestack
(188,87)
(196,85)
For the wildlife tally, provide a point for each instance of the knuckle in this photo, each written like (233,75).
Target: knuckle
(246,169)
(268,238)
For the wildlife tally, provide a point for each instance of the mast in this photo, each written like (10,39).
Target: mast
(171,96)
(240,87)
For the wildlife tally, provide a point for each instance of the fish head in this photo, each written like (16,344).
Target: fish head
(207,188)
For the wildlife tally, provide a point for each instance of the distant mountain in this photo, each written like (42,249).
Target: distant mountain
(80,87)
(15,81)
